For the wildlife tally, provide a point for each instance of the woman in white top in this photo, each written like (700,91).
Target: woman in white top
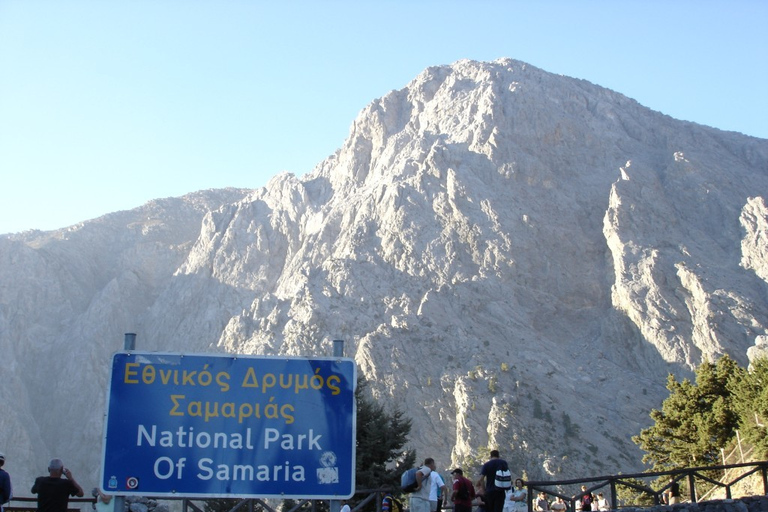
(518,496)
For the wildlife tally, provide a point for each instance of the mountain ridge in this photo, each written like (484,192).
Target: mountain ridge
(516,258)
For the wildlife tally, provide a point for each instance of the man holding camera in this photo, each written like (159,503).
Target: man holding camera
(52,491)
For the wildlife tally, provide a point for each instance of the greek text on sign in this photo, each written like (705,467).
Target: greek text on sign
(226,426)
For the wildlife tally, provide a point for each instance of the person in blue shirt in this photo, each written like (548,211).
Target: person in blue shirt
(5,484)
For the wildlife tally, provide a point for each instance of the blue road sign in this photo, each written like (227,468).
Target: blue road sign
(224,426)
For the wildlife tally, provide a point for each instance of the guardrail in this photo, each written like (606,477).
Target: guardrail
(692,475)
(32,507)
(247,505)
(612,482)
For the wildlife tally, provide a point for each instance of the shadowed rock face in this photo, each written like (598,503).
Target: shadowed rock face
(517,259)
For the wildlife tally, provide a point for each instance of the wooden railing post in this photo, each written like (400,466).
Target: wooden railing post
(764,471)
(692,487)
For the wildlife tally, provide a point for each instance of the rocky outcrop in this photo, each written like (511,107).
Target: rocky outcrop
(516,259)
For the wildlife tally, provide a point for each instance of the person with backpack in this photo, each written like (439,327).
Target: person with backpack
(495,489)
(585,499)
(463,492)
(391,504)
(419,501)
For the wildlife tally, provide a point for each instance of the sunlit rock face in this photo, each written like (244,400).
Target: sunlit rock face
(516,259)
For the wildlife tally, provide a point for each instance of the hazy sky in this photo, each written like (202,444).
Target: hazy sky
(105,105)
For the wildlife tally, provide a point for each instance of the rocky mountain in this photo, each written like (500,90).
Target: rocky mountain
(515,258)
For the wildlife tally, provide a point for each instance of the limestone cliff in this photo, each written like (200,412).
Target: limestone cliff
(515,258)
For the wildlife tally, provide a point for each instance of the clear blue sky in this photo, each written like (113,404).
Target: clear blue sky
(105,105)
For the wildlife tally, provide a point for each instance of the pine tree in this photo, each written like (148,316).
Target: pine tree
(223,505)
(381,436)
(695,421)
(751,402)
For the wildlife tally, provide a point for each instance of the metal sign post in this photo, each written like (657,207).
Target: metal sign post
(338,351)
(129,343)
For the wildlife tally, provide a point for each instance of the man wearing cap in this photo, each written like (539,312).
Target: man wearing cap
(5,484)
(52,491)
(463,492)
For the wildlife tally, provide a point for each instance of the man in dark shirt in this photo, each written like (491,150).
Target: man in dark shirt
(494,496)
(52,491)
(5,484)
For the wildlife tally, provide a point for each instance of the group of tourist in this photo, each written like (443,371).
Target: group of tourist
(586,500)
(492,492)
